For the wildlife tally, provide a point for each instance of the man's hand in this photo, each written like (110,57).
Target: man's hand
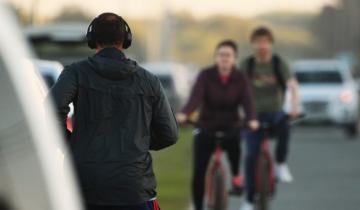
(253,125)
(294,98)
(181,117)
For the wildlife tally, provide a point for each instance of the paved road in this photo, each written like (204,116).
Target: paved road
(326,167)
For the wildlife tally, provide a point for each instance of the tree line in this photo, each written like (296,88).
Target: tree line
(337,29)
(191,40)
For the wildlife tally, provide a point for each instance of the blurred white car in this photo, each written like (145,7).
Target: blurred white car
(328,93)
(175,79)
(61,41)
(33,171)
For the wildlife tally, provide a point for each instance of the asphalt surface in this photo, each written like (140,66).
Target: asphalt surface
(326,167)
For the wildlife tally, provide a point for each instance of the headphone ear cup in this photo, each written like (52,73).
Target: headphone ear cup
(90,36)
(128,37)
(91,41)
(128,40)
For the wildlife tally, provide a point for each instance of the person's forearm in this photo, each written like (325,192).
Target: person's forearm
(190,106)
(164,128)
(62,94)
(294,95)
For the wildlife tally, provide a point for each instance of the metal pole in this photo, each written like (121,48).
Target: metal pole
(33,11)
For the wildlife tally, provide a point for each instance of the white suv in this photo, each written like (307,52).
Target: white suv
(328,93)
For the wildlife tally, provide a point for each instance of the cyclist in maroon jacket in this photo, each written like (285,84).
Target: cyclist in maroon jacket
(219,93)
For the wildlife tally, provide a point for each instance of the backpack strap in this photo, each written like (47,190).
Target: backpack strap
(276,62)
(250,66)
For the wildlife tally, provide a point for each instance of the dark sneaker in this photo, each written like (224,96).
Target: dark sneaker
(236,191)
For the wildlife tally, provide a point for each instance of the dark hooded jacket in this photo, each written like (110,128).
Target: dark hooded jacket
(120,113)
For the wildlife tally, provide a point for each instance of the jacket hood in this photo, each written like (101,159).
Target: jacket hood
(112,64)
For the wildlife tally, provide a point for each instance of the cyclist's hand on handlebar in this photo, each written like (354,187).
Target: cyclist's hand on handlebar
(254,125)
(295,113)
(181,118)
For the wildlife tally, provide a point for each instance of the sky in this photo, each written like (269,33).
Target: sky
(154,8)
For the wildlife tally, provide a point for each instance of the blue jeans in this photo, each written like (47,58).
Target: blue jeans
(253,146)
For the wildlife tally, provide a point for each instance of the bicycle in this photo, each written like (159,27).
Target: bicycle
(265,179)
(216,179)
(216,194)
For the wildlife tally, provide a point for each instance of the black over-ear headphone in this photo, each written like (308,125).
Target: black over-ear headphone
(91,37)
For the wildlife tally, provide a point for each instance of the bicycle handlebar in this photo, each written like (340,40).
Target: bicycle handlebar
(266,126)
(287,117)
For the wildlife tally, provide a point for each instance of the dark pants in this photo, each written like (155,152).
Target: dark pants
(204,146)
(253,145)
(150,205)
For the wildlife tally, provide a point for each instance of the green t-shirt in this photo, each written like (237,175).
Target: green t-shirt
(267,91)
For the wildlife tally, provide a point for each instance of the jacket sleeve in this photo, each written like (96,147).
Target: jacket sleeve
(62,94)
(247,99)
(197,95)
(164,128)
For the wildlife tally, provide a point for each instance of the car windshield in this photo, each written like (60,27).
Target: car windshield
(319,77)
(65,53)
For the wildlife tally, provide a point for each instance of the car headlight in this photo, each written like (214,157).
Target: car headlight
(346,96)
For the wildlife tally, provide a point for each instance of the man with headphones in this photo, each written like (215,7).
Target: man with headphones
(121,113)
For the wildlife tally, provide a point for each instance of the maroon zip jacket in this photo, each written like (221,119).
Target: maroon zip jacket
(220,102)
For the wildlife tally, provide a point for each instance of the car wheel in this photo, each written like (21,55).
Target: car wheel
(352,130)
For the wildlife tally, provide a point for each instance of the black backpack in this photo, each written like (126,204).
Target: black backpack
(276,62)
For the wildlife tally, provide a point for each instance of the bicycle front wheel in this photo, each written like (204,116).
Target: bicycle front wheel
(263,183)
(220,193)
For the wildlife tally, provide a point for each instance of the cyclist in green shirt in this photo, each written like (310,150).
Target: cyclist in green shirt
(271,79)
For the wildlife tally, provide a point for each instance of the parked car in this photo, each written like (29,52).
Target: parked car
(175,79)
(62,41)
(328,93)
(49,70)
(33,171)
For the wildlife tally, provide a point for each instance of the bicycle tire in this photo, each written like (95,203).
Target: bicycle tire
(220,197)
(263,194)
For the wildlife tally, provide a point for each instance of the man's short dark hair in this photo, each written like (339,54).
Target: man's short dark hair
(228,43)
(109,29)
(261,32)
